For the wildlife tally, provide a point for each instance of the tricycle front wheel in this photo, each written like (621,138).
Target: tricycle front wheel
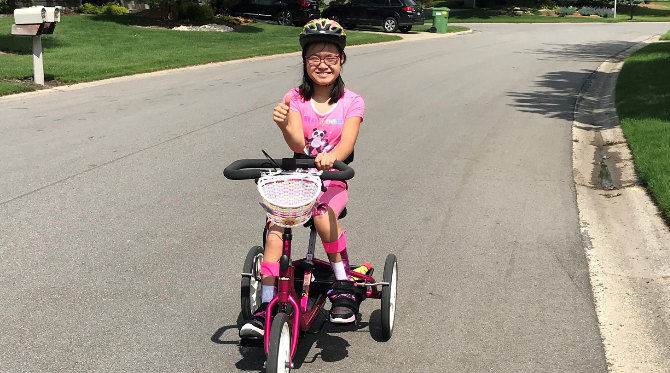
(279,349)
(389,293)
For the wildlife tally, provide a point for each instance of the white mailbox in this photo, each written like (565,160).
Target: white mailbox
(30,16)
(53,14)
(36,21)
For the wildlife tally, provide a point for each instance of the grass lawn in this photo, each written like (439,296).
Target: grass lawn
(666,36)
(643,104)
(640,14)
(76,54)
(421,28)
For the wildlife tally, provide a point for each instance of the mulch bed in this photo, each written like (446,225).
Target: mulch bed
(654,6)
(30,82)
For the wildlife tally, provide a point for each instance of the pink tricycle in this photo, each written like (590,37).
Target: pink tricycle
(289,188)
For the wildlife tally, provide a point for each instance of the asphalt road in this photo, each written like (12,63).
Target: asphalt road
(122,242)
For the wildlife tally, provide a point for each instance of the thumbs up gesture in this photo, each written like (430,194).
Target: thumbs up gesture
(281,112)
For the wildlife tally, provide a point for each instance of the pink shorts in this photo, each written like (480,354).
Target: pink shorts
(335,197)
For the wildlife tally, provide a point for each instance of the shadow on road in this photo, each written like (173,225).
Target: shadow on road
(593,52)
(555,93)
(322,336)
(554,96)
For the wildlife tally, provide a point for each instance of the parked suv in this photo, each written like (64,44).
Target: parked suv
(392,15)
(285,12)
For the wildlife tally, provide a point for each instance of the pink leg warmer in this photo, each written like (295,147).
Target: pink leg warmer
(269,269)
(336,246)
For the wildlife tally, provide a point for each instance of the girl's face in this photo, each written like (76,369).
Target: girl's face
(323,63)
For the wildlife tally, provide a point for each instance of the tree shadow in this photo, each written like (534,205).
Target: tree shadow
(589,52)
(21,45)
(248,29)
(555,94)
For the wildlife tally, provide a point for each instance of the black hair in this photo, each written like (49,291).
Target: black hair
(306,89)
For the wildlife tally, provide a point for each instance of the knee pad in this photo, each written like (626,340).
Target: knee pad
(336,246)
(269,269)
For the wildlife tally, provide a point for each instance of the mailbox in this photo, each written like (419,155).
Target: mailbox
(30,16)
(53,14)
(36,21)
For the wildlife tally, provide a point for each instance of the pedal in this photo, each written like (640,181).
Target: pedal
(365,269)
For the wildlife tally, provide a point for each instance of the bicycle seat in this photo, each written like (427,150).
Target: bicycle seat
(310,222)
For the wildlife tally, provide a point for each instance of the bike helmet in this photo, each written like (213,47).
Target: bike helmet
(323,29)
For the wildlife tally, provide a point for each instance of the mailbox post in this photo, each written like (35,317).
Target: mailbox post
(36,21)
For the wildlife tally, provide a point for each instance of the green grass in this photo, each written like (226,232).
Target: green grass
(643,104)
(85,48)
(640,14)
(11,88)
(421,28)
(666,36)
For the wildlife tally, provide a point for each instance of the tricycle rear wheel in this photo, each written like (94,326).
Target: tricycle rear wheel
(389,293)
(250,288)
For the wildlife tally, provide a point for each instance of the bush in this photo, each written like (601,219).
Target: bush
(563,11)
(604,12)
(235,20)
(551,5)
(196,12)
(587,11)
(4,7)
(113,8)
(88,8)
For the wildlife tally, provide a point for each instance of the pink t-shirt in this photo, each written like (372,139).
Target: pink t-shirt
(323,131)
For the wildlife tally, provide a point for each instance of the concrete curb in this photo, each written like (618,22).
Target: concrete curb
(21,96)
(626,241)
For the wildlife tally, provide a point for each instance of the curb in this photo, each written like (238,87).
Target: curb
(626,242)
(65,88)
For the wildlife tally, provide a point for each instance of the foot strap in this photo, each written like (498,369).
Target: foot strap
(345,288)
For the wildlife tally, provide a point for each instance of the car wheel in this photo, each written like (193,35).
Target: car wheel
(285,18)
(336,17)
(390,24)
(405,29)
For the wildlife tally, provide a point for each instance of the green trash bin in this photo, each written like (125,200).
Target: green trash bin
(440,16)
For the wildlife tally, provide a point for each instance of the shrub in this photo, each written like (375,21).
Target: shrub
(587,11)
(113,8)
(196,12)
(604,12)
(88,8)
(551,5)
(235,20)
(4,7)
(563,11)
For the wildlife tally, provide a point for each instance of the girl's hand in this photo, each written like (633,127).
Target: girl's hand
(325,161)
(281,112)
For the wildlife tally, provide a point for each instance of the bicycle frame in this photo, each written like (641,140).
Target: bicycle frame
(302,318)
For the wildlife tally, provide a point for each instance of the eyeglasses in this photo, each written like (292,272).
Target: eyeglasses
(329,60)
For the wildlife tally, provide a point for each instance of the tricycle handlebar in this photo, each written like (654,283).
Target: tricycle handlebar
(245,169)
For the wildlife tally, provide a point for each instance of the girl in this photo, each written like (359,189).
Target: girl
(320,119)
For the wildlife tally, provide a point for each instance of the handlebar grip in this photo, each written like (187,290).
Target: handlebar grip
(235,170)
(245,169)
(345,172)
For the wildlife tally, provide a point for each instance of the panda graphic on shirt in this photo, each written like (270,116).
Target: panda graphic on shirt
(324,136)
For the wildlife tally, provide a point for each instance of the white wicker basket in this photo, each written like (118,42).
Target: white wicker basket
(289,198)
